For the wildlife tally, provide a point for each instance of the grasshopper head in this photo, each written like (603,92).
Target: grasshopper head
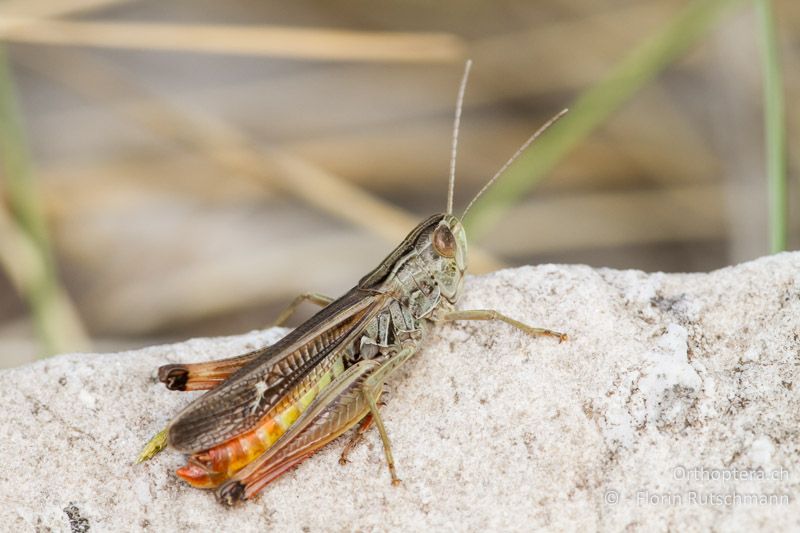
(439,245)
(448,241)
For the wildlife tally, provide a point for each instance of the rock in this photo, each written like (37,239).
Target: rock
(672,394)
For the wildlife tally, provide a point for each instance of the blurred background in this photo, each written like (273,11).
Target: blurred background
(185,168)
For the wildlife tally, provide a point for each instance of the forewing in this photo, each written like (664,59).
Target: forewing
(237,405)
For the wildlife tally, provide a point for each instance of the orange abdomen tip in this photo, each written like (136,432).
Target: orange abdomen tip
(198,477)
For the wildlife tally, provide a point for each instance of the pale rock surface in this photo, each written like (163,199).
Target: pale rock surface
(663,375)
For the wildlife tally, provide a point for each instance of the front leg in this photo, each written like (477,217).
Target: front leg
(491,314)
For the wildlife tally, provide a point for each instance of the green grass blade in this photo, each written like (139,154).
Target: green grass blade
(26,253)
(595,105)
(774,126)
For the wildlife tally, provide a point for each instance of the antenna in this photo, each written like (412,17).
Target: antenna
(456,124)
(515,156)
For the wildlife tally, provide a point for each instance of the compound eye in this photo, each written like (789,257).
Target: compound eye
(444,242)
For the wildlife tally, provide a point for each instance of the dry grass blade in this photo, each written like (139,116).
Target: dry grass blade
(51,8)
(316,186)
(229,148)
(275,41)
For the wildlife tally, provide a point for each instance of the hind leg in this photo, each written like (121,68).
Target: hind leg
(356,439)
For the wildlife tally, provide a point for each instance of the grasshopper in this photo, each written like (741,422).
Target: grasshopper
(268,410)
